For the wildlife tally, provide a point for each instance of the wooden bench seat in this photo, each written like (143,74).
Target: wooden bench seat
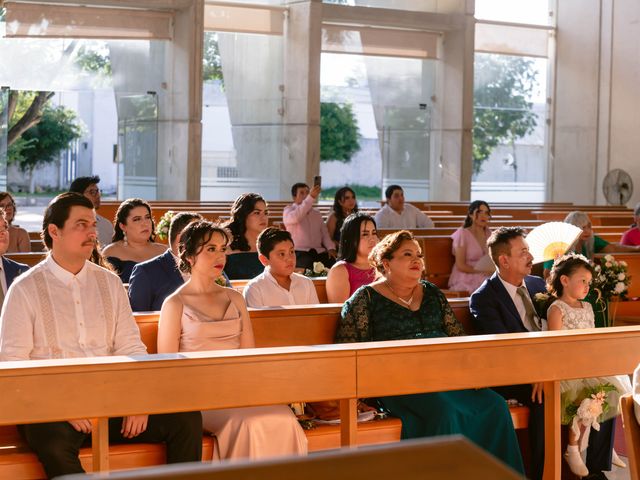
(18,462)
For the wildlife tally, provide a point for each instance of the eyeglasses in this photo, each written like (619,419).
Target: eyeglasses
(93,192)
(4,206)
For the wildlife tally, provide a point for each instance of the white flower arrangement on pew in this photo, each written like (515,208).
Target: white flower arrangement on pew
(318,270)
(611,279)
(162,230)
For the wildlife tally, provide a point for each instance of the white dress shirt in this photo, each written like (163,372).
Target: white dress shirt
(105,230)
(264,291)
(512,290)
(50,313)
(410,217)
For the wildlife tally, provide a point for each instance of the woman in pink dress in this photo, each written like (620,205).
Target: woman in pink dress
(202,315)
(469,246)
(357,238)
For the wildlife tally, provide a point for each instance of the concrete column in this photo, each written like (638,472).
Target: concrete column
(301,121)
(451,165)
(573,159)
(180,133)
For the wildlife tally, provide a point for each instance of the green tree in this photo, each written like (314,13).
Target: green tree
(502,110)
(40,144)
(338,132)
(211,63)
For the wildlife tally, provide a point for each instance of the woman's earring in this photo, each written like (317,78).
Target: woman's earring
(124,239)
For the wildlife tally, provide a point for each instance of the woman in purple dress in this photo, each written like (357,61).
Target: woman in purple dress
(357,238)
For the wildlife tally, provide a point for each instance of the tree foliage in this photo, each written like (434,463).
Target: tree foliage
(40,144)
(338,132)
(502,110)
(211,63)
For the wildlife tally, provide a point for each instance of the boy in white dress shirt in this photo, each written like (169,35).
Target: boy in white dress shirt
(67,307)
(278,284)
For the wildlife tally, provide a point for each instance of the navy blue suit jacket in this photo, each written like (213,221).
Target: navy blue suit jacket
(493,310)
(153,281)
(12,270)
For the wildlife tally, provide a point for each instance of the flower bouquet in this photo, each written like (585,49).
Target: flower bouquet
(587,409)
(162,230)
(611,278)
(610,284)
(318,270)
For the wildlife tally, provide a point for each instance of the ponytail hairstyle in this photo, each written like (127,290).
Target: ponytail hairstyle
(473,208)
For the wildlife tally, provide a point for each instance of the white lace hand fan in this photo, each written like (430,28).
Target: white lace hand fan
(550,240)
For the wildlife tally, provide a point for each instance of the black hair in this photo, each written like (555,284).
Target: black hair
(80,184)
(240,210)
(179,221)
(57,213)
(350,236)
(269,238)
(122,214)
(473,208)
(566,265)
(296,186)
(337,208)
(499,243)
(193,239)
(390,189)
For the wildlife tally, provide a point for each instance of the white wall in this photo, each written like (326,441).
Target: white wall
(597,98)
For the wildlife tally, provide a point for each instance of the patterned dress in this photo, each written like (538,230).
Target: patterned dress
(481,415)
(572,391)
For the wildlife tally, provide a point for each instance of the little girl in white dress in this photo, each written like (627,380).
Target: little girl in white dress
(569,283)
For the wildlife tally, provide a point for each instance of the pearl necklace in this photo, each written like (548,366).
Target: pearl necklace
(406,302)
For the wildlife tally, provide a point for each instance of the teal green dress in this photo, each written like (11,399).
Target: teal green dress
(480,415)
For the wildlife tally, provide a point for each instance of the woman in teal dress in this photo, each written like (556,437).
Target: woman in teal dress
(401,306)
(588,244)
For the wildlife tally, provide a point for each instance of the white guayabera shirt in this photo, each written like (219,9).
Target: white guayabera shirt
(411,217)
(51,313)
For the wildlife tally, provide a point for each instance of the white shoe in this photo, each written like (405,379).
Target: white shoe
(617,461)
(574,459)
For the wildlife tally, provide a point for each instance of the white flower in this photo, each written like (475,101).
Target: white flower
(619,288)
(621,276)
(318,267)
(623,263)
(597,268)
(608,264)
(609,258)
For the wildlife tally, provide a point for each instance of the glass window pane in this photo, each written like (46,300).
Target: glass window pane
(389,99)
(435,6)
(509,133)
(534,12)
(242,144)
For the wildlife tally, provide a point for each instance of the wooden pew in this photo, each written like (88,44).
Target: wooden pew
(440,457)
(126,386)
(631,435)
(31,258)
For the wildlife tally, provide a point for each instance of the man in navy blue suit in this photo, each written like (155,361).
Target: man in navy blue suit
(154,280)
(9,269)
(504,304)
